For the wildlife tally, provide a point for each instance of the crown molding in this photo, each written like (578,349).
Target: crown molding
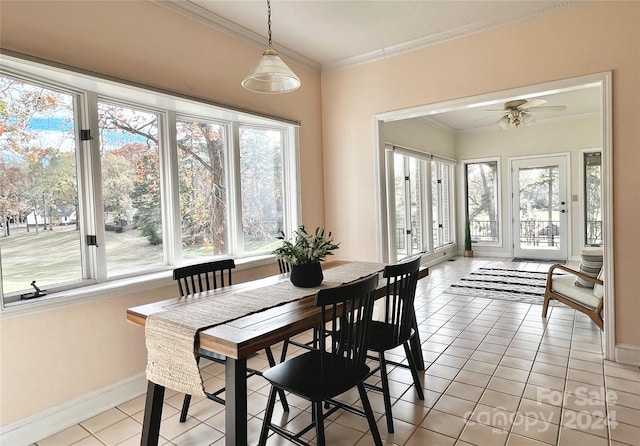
(202,15)
(436,39)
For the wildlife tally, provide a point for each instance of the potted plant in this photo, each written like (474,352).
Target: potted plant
(304,253)
(468,252)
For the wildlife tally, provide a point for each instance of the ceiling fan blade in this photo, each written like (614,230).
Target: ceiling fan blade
(548,108)
(534,103)
(484,118)
(516,103)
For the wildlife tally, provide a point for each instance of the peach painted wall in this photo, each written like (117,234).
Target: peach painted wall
(144,42)
(55,356)
(420,135)
(581,39)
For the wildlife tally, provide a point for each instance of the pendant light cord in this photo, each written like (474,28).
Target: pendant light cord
(269,20)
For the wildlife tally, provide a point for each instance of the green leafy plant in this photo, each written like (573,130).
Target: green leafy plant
(305,248)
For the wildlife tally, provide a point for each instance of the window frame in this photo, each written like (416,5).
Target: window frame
(438,163)
(464,188)
(426,159)
(424,197)
(583,196)
(88,90)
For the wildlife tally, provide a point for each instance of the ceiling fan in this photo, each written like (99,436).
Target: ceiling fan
(519,111)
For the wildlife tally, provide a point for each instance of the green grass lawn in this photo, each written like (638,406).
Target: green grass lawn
(55,257)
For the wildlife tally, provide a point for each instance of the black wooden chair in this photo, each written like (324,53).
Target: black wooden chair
(285,267)
(336,367)
(397,328)
(194,279)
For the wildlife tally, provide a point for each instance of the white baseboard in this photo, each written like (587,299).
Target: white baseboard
(48,422)
(628,354)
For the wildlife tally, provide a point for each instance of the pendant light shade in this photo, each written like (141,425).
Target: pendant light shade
(271,75)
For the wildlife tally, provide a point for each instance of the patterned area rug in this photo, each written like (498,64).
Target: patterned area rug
(504,284)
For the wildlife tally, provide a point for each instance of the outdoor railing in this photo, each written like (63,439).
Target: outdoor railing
(532,233)
(594,233)
(539,233)
(484,230)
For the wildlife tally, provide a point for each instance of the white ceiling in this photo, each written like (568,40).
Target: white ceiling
(579,102)
(332,34)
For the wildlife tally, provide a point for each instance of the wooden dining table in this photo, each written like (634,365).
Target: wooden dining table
(238,340)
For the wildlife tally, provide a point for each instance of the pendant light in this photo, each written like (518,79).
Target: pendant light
(271,75)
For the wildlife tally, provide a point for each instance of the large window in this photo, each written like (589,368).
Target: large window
(261,186)
(592,162)
(130,174)
(410,196)
(442,203)
(482,200)
(146,182)
(420,194)
(39,212)
(202,179)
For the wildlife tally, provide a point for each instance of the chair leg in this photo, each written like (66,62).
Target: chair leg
(285,346)
(366,405)
(283,396)
(385,392)
(414,371)
(187,401)
(320,441)
(185,408)
(545,306)
(267,416)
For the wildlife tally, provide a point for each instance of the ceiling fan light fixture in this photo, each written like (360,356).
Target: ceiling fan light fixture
(504,122)
(271,75)
(527,119)
(516,118)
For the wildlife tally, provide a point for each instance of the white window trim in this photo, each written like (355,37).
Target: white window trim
(111,289)
(89,88)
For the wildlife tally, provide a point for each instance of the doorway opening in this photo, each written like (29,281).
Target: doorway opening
(469,109)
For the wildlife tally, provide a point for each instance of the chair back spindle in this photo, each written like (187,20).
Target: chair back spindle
(345,324)
(284,267)
(402,281)
(204,276)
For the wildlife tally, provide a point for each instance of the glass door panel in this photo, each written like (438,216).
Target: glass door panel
(540,208)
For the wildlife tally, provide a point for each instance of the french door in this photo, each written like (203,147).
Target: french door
(540,229)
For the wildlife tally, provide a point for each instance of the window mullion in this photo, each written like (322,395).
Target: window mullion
(408,228)
(170,190)
(234,193)
(425,191)
(96,256)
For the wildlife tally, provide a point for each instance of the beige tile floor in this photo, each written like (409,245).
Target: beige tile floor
(497,374)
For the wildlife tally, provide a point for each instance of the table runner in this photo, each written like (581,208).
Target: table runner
(171,335)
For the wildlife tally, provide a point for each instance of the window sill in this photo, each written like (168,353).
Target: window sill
(109,289)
